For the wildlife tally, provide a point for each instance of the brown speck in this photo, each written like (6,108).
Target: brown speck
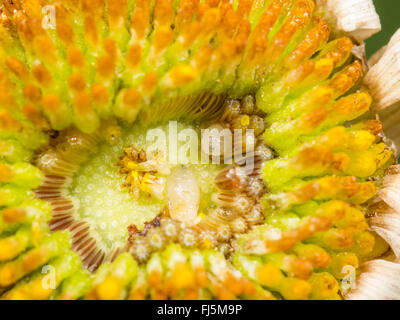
(133,230)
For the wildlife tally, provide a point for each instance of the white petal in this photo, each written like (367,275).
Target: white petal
(357,18)
(390,118)
(390,191)
(386,223)
(383,79)
(379,280)
(386,218)
(377,56)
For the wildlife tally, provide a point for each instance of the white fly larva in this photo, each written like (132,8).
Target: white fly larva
(183,194)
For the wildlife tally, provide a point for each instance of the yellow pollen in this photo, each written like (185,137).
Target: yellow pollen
(207,243)
(131,165)
(245,121)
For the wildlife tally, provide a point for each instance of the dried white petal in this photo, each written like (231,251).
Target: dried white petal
(377,56)
(360,53)
(390,118)
(383,79)
(386,218)
(379,280)
(386,223)
(357,18)
(390,190)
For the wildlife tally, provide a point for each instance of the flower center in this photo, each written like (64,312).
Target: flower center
(136,188)
(117,188)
